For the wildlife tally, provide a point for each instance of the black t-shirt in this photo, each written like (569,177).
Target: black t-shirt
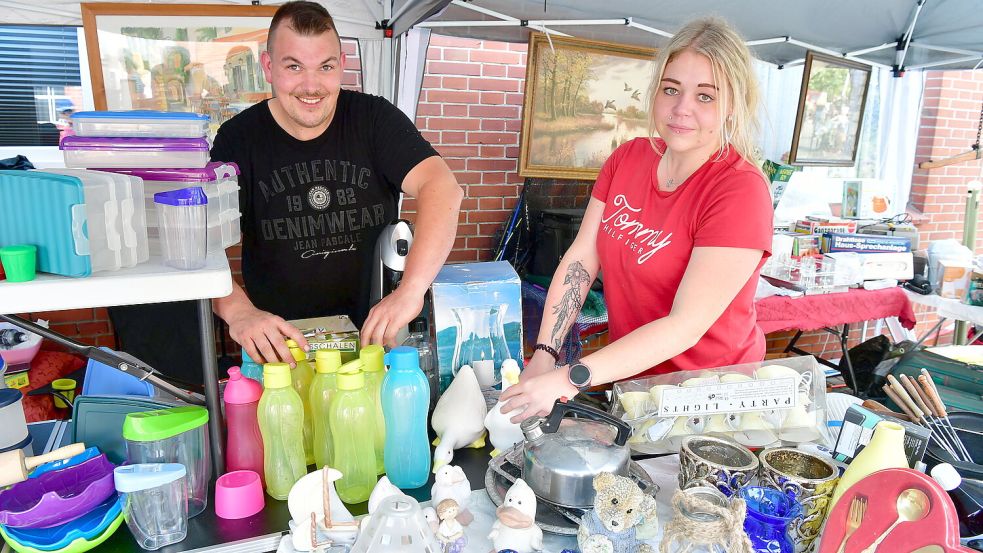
(313,210)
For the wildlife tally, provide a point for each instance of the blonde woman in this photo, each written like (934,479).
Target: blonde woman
(679,225)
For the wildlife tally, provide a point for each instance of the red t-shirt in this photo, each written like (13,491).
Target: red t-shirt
(646,238)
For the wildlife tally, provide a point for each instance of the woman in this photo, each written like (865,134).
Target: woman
(680,226)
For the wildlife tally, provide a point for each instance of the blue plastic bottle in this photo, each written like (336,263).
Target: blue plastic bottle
(250,368)
(405,399)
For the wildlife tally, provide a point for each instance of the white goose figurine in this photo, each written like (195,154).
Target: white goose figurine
(459,417)
(515,525)
(502,432)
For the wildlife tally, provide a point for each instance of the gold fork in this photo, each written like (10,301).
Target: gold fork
(858,506)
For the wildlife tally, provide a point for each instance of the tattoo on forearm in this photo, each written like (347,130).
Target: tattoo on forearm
(571,302)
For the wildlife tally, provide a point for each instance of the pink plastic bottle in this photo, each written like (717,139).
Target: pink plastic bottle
(244,445)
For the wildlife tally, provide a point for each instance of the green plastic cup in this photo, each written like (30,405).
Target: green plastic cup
(19,262)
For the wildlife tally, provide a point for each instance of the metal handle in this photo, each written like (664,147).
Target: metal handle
(562,408)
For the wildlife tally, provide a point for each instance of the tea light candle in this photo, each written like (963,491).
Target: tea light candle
(484,370)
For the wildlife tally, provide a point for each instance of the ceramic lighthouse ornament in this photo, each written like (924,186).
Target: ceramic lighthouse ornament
(502,432)
(515,528)
(458,418)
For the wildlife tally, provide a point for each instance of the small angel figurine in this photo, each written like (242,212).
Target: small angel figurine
(449,531)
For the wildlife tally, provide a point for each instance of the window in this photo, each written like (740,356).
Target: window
(40,83)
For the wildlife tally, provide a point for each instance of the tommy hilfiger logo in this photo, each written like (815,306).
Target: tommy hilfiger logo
(623,225)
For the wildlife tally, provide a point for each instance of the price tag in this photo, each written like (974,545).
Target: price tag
(733,397)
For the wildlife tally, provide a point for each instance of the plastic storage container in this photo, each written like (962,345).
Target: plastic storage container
(175,435)
(221,185)
(84,151)
(148,123)
(155,504)
(182,217)
(13,424)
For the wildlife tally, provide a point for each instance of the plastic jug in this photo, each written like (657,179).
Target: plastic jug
(244,443)
(301,377)
(281,420)
(323,387)
(372,357)
(352,419)
(250,368)
(405,401)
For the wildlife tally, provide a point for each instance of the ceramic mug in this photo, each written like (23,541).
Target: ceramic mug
(717,462)
(807,478)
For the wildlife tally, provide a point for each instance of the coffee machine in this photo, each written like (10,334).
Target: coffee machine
(389,261)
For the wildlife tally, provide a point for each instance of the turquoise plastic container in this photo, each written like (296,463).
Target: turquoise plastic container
(250,368)
(405,401)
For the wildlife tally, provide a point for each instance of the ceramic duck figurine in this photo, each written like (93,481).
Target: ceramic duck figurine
(383,489)
(515,527)
(502,432)
(451,483)
(458,418)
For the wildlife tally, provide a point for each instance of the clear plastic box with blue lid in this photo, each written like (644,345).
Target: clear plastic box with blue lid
(135,123)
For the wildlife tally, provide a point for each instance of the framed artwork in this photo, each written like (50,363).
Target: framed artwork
(831,109)
(177,57)
(582,100)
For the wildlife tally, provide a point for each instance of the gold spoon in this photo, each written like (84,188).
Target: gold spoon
(912,505)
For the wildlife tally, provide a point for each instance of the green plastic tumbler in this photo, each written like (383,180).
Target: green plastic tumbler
(19,262)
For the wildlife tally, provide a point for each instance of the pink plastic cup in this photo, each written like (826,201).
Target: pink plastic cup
(238,494)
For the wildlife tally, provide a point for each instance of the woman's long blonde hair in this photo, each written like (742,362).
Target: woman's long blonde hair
(731,62)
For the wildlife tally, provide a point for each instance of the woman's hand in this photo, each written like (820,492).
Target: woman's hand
(535,396)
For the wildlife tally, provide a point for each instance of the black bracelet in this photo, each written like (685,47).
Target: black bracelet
(548,349)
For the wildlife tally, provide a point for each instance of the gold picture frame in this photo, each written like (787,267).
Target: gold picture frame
(831,111)
(177,57)
(571,124)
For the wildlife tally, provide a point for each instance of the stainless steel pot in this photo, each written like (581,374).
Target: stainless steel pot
(561,456)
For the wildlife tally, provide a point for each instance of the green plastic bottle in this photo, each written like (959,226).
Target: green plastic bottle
(301,377)
(281,422)
(373,360)
(352,419)
(323,388)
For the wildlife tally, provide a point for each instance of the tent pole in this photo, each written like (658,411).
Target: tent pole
(903,50)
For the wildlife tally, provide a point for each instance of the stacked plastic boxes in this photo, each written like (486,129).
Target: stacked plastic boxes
(166,151)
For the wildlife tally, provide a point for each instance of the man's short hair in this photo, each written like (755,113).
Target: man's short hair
(305,18)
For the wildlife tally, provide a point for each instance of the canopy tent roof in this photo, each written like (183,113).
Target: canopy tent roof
(947,34)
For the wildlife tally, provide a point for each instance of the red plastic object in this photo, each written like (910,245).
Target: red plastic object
(940,527)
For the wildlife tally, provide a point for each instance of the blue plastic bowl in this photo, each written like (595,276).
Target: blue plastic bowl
(65,463)
(103,380)
(87,526)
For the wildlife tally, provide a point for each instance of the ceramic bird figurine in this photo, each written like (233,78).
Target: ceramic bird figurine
(502,432)
(383,489)
(451,483)
(430,515)
(515,527)
(458,418)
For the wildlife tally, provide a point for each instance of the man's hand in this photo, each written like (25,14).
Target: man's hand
(394,312)
(535,396)
(264,335)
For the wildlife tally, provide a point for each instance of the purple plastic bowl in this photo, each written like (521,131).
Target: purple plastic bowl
(58,497)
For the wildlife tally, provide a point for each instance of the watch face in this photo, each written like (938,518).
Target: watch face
(579,374)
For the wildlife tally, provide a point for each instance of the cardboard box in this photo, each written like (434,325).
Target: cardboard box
(955,278)
(877,266)
(477,317)
(335,332)
(812,226)
(779,175)
(974,295)
(858,428)
(865,199)
(864,243)
(895,229)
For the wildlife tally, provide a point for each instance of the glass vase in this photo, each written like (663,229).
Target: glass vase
(769,515)
(480,341)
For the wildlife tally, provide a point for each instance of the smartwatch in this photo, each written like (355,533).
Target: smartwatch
(579,375)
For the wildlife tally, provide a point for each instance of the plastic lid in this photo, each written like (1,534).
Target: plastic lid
(76,142)
(210,172)
(134,478)
(19,445)
(193,195)
(327,360)
(240,390)
(947,476)
(351,380)
(8,396)
(373,356)
(276,375)
(150,426)
(19,249)
(403,357)
(246,358)
(141,114)
(299,354)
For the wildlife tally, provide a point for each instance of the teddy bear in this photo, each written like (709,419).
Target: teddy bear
(619,508)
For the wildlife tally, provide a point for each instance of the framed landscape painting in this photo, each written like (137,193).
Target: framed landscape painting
(177,57)
(582,100)
(831,109)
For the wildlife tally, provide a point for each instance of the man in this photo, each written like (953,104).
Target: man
(322,169)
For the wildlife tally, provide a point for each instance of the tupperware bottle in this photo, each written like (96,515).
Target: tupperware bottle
(372,357)
(244,443)
(405,401)
(301,377)
(352,420)
(281,422)
(323,387)
(250,368)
